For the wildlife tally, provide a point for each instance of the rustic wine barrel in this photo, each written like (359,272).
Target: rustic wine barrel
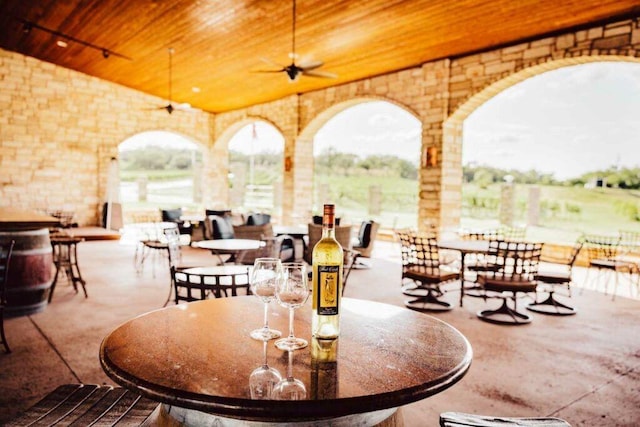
(30,271)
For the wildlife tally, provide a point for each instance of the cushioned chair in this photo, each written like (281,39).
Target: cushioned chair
(221,227)
(459,419)
(515,272)
(363,244)
(343,236)
(555,271)
(421,264)
(258,219)
(256,232)
(173,215)
(6,249)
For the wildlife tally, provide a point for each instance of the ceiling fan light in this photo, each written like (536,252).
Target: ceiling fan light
(62,43)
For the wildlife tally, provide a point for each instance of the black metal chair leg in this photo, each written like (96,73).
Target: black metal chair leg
(428,302)
(503,314)
(551,306)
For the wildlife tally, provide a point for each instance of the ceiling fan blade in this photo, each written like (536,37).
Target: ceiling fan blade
(310,64)
(269,71)
(270,62)
(318,73)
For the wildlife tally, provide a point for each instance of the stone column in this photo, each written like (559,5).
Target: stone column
(507,203)
(533,210)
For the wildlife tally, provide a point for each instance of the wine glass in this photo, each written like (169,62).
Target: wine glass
(263,379)
(265,276)
(289,388)
(292,292)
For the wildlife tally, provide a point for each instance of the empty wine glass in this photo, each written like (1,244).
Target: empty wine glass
(264,378)
(292,292)
(289,388)
(265,276)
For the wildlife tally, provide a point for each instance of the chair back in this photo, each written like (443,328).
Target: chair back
(419,253)
(602,247)
(258,218)
(172,236)
(195,286)
(490,234)
(171,215)
(515,262)
(6,249)
(366,237)
(221,227)
(630,240)
(343,236)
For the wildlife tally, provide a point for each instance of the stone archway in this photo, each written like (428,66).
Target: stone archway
(453,125)
(222,150)
(303,155)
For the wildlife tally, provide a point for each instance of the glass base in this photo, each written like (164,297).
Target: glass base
(265,334)
(291,343)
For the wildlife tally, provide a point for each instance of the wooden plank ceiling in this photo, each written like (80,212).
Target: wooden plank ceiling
(220,44)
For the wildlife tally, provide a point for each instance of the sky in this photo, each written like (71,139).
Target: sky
(564,122)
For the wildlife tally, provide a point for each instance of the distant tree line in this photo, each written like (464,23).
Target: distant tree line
(625,178)
(332,162)
(158,158)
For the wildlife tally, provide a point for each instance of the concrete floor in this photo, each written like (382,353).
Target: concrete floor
(583,368)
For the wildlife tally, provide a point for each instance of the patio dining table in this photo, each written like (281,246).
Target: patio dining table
(465,247)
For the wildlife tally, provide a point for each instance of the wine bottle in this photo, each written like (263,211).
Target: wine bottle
(327,280)
(324,369)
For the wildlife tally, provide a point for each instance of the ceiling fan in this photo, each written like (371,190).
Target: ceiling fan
(293,70)
(171,107)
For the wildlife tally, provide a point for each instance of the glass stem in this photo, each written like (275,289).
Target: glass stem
(266,316)
(264,353)
(291,322)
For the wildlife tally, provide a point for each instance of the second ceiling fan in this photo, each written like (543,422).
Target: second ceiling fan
(170,108)
(293,70)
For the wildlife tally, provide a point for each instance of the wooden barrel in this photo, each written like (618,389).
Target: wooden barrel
(30,271)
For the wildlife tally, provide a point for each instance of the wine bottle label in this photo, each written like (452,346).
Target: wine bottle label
(328,288)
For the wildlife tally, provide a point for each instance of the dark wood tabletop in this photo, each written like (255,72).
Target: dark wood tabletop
(200,356)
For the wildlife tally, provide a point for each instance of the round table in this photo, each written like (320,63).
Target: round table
(197,359)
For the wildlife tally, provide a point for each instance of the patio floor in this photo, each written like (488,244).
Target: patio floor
(583,368)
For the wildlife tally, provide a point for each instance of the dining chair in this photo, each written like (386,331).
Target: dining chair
(604,257)
(343,236)
(199,286)
(556,271)
(515,272)
(174,215)
(6,249)
(363,244)
(421,264)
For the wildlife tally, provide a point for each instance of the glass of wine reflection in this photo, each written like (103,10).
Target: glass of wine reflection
(289,388)
(264,378)
(265,277)
(292,292)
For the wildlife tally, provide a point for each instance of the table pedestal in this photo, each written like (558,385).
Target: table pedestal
(176,416)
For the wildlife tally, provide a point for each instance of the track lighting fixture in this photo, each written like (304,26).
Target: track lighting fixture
(28,26)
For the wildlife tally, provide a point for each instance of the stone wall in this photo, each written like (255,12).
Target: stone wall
(59,128)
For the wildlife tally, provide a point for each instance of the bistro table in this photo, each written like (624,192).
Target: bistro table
(197,359)
(465,247)
(234,247)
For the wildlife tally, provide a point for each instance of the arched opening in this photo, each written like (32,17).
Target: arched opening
(366,160)
(567,141)
(256,153)
(159,170)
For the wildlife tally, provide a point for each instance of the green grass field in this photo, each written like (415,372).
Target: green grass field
(565,212)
